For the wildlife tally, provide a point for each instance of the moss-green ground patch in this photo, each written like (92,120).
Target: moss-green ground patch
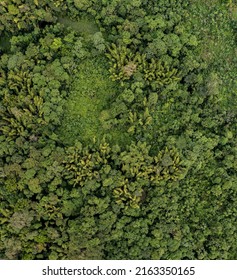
(85,26)
(92,91)
(213,21)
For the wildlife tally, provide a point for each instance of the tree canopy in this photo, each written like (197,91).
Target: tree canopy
(117,129)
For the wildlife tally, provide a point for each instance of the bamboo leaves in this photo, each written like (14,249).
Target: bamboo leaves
(159,74)
(169,166)
(126,175)
(124,63)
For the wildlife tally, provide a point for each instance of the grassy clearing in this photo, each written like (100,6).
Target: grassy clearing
(84,26)
(213,22)
(92,91)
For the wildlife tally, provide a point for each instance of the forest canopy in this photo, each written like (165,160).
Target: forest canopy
(118,129)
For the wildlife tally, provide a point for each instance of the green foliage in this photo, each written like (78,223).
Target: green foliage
(30,99)
(20,16)
(117,130)
(122,61)
(139,171)
(89,93)
(124,64)
(159,75)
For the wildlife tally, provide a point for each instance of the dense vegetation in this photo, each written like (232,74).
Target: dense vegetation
(118,129)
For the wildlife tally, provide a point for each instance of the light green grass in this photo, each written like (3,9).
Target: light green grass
(213,21)
(92,91)
(84,26)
